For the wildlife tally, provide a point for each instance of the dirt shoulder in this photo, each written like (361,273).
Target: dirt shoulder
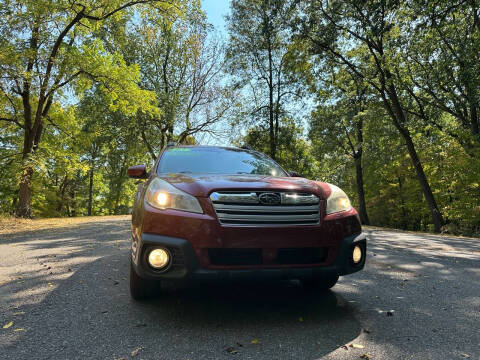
(11,225)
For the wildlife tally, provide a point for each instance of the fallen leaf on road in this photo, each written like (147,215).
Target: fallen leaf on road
(19,313)
(50,284)
(365,356)
(390,313)
(344,347)
(465,355)
(231,350)
(141,325)
(238,344)
(19,329)
(135,352)
(357,346)
(7,325)
(366,331)
(255,341)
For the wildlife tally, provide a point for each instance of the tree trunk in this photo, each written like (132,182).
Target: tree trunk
(397,114)
(73,212)
(360,191)
(23,206)
(474,129)
(271,110)
(422,179)
(402,201)
(90,193)
(271,125)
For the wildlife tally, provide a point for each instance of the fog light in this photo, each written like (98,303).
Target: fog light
(357,254)
(158,258)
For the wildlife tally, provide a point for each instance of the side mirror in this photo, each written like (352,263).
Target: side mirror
(138,172)
(294,174)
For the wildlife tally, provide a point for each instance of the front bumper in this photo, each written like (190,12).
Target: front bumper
(185,263)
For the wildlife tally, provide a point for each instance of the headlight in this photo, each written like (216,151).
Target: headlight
(161,195)
(337,201)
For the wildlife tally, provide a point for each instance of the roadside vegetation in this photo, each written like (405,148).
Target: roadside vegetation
(379,97)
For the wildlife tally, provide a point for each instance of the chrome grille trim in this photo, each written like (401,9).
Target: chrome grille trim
(245,209)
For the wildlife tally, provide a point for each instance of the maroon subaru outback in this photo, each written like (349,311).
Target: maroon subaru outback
(221,213)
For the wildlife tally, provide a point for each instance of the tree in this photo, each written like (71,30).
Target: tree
(258,54)
(363,37)
(182,63)
(443,68)
(339,127)
(294,153)
(47,46)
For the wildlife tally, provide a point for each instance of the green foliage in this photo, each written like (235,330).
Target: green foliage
(294,153)
(366,95)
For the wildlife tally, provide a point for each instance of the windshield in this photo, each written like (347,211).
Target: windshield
(211,160)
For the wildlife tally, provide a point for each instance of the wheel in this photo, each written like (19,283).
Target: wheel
(140,288)
(321,283)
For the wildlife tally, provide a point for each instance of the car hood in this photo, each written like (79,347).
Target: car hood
(203,185)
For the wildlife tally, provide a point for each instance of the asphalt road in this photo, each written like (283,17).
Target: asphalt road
(66,291)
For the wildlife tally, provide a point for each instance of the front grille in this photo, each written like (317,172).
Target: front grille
(235,256)
(178,260)
(253,256)
(301,255)
(266,208)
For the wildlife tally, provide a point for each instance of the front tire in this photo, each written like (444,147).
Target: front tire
(321,283)
(140,288)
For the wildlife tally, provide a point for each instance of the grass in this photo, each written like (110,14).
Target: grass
(11,225)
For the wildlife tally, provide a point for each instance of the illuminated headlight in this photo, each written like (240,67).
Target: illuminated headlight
(161,195)
(357,254)
(337,201)
(158,259)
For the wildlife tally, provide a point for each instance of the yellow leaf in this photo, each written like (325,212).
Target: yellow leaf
(357,346)
(19,329)
(255,341)
(19,313)
(7,325)
(135,352)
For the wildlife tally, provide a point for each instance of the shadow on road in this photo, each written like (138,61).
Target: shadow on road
(90,314)
(431,285)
